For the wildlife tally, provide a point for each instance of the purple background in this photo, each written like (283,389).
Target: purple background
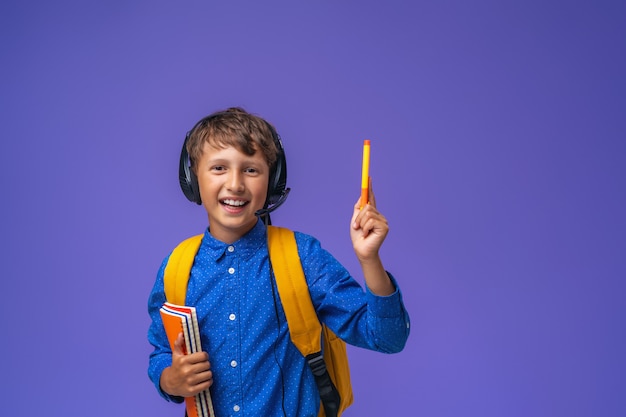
(498,156)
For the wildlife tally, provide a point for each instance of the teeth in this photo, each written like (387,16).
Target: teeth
(235,203)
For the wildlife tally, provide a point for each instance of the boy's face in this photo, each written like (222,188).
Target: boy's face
(233,186)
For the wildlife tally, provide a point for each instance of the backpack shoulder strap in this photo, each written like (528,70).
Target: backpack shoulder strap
(178,269)
(304,327)
(330,369)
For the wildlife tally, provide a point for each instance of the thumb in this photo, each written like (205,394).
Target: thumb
(179,345)
(372,197)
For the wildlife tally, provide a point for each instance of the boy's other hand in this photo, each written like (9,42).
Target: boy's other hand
(368,229)
(189,374)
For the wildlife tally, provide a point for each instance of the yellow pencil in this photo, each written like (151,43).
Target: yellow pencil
(365,173)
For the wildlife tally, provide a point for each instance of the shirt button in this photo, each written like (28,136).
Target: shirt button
(232,317)
(233,364)
(236,408)
(231,270)
(231,249)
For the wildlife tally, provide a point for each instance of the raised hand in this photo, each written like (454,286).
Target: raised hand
(368,230)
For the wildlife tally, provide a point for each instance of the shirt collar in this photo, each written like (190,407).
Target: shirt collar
(247,246)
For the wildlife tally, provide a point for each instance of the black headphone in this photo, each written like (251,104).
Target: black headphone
(277,190)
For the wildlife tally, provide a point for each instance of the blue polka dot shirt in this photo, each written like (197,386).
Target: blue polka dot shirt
(257,371)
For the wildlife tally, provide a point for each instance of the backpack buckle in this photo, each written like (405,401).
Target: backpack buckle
(328,392)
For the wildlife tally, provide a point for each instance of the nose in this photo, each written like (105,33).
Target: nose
(235,181)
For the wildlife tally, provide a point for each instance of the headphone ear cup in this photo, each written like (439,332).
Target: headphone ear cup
(278,174)
(186,177)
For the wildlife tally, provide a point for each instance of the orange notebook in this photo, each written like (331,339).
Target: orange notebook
(183,319)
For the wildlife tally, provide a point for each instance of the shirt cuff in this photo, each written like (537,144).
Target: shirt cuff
(385,306)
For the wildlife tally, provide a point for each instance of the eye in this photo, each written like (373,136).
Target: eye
(251,170)
(218,168)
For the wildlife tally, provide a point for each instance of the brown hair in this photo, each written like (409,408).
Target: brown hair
(233,127)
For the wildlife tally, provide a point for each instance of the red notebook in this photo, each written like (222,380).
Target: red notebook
(183,319)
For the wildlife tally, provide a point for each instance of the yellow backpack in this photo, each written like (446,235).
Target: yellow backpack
(330,365)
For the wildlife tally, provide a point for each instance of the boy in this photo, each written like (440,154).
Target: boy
(249,362)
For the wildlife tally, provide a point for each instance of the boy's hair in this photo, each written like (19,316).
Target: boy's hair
(233,127)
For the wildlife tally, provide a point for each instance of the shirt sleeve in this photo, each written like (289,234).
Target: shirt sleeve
(356,315)
(161,356)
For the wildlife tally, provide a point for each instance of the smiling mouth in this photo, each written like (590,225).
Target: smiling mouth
(233,203)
